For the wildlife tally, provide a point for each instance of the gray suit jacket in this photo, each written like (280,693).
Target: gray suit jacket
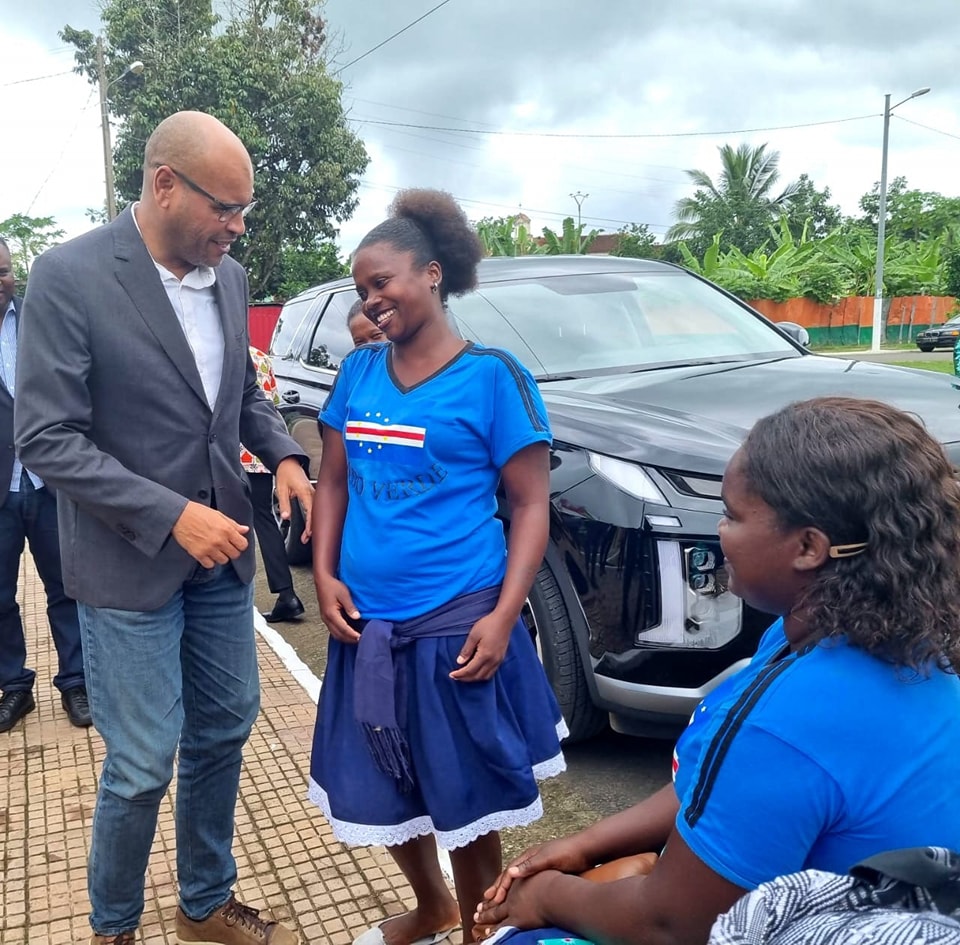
(110,410)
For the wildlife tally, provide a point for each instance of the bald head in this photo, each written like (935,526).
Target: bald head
(197,188)
(191,142)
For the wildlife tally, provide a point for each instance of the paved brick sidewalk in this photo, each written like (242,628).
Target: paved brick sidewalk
(289,863)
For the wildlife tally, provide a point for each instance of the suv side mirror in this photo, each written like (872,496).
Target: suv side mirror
(797,332)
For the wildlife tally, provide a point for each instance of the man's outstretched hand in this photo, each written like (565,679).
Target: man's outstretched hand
(292,482)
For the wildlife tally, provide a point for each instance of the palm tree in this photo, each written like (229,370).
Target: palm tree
(740,205)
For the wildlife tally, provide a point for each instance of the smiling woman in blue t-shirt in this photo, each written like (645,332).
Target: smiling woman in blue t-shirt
(841,739)
(435,720)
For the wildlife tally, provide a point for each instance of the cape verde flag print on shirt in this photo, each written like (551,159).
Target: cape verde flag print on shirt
(376,432)
(423,465)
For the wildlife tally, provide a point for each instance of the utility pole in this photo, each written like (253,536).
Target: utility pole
(105,131)
(579,197)
(876,335)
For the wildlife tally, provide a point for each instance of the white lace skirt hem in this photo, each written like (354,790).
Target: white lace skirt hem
(550,768)
(392,835)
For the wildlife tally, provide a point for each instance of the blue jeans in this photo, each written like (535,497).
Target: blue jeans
(31,515)
(185,673)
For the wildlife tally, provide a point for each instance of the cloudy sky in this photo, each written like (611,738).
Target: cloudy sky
(517,105)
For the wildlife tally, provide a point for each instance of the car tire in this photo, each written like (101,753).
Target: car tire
(549,621)
(292,532)
(925,348)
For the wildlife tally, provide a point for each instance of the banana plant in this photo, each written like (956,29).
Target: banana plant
(506,236)
(711,259)
(570,240)
(786,270)
(855,254)
(914,268)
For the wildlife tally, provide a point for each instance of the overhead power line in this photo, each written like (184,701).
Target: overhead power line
(66,144)
(405,108)
(938,131)
(440,156)
(379,45)
(515,209)
(574,134)
(419,111)
(35,78)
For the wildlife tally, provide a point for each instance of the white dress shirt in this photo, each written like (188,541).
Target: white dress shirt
(8,365)
(195,304)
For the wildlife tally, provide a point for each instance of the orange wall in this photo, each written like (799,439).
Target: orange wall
(850,320)
(916,310)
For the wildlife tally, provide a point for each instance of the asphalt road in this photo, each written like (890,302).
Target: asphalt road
(909,354)
(603,776)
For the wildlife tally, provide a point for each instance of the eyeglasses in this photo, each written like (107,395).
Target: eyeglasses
(226,210)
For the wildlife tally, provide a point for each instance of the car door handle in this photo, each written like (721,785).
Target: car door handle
(291,396)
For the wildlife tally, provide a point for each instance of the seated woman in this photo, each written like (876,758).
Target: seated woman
(841,738)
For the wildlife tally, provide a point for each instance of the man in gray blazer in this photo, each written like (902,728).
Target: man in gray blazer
(134,390)
(28,513)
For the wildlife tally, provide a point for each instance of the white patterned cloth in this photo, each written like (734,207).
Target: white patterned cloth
(908,897)
(268,384)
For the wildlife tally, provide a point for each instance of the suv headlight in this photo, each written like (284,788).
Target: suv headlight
(627,477)
(696,609)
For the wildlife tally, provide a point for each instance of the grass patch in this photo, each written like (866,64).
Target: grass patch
(858,349)
(944,367)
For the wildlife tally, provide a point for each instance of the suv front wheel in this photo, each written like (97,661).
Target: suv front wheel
(549,622)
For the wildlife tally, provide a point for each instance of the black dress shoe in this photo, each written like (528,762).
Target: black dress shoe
(78,708)
(287,607)
(14,706)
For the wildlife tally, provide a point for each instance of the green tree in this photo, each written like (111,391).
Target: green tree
(912,214)
(28,237)
(810,209)
(636,242)
(262,71)
(951,281)
(300,269)
(740,205)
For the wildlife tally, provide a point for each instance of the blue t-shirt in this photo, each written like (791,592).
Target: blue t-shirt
(817,761)
(423,468)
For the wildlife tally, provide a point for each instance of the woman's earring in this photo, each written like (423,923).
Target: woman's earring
(433,288)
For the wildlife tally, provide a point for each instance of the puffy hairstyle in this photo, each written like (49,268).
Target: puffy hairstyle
(431,225)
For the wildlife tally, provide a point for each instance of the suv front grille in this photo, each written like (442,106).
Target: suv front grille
(701,486)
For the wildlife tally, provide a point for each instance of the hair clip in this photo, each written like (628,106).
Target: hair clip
(847,551)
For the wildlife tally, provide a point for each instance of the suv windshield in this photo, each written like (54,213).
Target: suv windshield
(570,324)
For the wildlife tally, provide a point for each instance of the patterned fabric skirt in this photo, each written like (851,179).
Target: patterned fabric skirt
(477,749)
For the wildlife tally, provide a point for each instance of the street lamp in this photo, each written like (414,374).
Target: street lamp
(135,68)
(579,197)
(882,221)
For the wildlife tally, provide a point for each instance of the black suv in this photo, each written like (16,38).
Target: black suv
(652,377)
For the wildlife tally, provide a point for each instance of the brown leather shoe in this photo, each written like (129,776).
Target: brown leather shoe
(121,938)
(232,924)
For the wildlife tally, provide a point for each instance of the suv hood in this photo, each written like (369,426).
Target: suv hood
(694,417)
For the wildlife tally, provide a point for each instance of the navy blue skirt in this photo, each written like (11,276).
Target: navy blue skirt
(477,749)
